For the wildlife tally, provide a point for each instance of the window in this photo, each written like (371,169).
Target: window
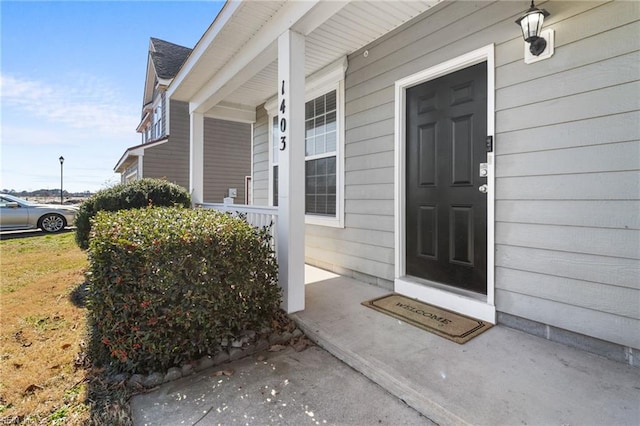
(324,146)
(320,145)
(157,121)
(321,159)
(274,159)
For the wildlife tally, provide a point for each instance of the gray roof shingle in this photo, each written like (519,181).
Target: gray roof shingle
(168,57)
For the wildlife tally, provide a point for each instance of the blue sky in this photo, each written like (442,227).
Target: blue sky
(71,81)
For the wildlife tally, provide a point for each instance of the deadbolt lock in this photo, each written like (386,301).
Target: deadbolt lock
(484,169)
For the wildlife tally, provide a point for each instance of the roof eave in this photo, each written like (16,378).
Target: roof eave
(226,13)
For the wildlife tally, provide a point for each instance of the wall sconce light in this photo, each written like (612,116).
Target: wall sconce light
(531,24)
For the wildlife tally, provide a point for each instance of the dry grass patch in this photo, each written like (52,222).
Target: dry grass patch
(43,333)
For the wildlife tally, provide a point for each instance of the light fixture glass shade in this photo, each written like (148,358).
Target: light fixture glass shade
(531,23)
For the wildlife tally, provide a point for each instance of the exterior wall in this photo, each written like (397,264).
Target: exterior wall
(568,189)
(164,112)
(227,158)
(261,158)
(567,160)
(170,160)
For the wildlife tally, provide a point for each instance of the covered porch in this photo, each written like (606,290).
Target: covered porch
(503,376)
(271,55)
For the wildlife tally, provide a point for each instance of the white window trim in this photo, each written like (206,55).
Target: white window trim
(433,293)
(328,79)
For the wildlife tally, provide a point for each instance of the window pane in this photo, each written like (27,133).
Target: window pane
(320,138)
(309,137)
(331,166)
(321,204)
(310,146)
(330,140)
(331,184)
(308,110)
(321,167)
(275,137)
(309,128)
(310,168)
(331,101)
(331,205)
(320,148)
(310,203)
(311,185)
(320,105)
(331,122)
(320,186)
(320,125)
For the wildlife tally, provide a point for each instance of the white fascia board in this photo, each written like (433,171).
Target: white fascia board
(145,120)
(256,54)
(147,95)
(137,151)
(225,14)
(163,83)
(229,112)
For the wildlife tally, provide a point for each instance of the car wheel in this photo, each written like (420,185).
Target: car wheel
(52,223)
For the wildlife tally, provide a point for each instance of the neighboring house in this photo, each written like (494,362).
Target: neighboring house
(165,129)
(409,145)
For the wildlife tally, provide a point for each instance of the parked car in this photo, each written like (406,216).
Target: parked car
(16,213)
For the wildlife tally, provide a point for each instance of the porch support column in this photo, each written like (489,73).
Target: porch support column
(291,176)
(196,157)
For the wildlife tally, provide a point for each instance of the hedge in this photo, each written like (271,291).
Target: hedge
(167,285)
(136,194)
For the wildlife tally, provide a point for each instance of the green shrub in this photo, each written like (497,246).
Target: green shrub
(166,285)
(131,195)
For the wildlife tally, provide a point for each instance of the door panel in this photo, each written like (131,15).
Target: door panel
(446,213)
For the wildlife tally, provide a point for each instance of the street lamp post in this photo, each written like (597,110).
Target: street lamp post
(61,162)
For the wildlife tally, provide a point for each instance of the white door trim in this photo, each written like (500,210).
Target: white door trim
(484,307)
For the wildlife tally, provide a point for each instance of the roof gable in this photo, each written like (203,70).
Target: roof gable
(167,57)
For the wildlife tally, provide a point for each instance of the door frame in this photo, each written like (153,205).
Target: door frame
(467,303)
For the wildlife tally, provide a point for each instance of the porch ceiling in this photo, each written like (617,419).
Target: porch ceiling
(234,65)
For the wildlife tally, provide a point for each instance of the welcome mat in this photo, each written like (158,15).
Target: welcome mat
(447,324)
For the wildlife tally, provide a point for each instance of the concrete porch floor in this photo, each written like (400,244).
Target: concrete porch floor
(502,377)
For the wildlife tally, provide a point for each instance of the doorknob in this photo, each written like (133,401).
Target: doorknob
(483,188)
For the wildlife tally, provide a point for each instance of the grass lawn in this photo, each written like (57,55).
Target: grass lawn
(44,376)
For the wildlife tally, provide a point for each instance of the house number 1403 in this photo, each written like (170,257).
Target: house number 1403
(283,121)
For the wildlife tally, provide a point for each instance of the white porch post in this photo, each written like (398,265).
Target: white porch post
(291,176)
(196,157)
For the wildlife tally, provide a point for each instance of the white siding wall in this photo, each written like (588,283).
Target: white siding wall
(567,159)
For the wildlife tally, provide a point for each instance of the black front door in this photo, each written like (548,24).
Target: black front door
(446,213)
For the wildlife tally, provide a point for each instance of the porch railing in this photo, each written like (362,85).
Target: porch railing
(258,216)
